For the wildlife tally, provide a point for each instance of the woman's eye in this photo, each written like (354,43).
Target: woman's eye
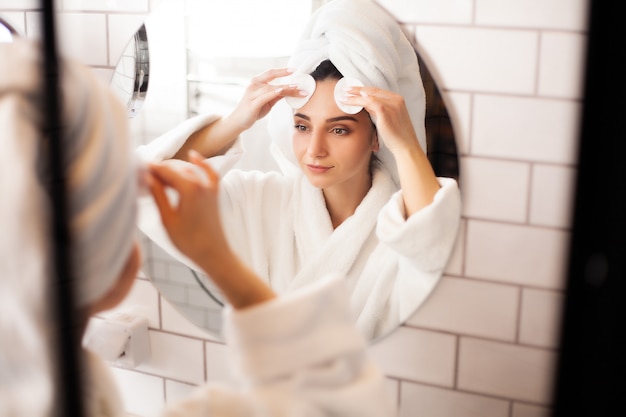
(340,131)
(300,128)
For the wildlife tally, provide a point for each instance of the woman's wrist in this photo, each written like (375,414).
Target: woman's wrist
(213,139)
(237,123)
(406,148)
(239,284)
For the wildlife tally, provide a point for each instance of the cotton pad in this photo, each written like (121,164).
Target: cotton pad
(340,94)
(304,82)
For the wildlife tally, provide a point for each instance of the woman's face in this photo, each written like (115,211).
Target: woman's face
(333,148)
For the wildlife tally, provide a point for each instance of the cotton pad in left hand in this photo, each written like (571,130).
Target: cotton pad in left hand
(305,83)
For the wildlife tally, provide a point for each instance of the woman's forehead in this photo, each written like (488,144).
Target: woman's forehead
(322,106)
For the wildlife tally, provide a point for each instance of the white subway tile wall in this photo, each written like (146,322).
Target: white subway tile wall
(534,14)
(424,400)
(562,57)
(473,308)
(539,318)
(471,58)
(90,46)
(418,355)
(506,370)
(457,258)
(176,357)
(495,189)
(177,390)
(19,4)
(552,195)
(516,254)
(118,39)
(486,342)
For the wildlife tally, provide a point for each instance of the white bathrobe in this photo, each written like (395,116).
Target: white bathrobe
(280,226)
(298,355)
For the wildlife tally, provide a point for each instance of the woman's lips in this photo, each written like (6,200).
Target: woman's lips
(317,169)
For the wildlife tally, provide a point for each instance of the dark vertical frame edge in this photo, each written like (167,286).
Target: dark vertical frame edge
(589,379)
(68,394)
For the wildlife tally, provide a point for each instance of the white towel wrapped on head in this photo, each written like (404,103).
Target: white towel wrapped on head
(365,42)
(99,165)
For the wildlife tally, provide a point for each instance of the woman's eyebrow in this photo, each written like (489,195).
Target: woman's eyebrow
(331,120)
(340,118)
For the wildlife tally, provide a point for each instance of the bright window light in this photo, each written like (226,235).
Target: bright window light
(244,28)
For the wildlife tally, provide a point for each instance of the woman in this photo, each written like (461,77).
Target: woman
(363,201)
(281,370)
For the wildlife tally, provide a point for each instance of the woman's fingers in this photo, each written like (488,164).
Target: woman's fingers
(192,221)
(370,96)
(179,174)
(272,94)
(263,98)
(263,93)
(185,178)
(262,86)
(381,104)
(389,111)
(198,160)
(160,198)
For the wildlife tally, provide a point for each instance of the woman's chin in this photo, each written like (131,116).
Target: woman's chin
(318,182)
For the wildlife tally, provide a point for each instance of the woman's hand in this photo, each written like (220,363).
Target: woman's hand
(389,112)
(192,222)
(194,226)
(258,99)
(394,127)
(261,95)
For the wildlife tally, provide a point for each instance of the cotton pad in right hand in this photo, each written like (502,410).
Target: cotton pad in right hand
(340,94)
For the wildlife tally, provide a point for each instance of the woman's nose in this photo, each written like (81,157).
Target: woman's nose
(317,145)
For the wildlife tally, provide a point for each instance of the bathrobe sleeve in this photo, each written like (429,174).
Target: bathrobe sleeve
(421,246)
(426,238)
(165,146)
(297,355)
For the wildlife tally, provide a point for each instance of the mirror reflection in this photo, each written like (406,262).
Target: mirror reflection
(132,73)
(318,190)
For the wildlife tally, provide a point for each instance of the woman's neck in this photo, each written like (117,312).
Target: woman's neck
(343,199)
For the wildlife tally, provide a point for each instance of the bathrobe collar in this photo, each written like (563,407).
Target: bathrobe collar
(327,249)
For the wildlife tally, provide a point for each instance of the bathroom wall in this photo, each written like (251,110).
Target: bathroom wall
(486,342)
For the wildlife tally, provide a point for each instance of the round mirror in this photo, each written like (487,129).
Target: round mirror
(190,78)
(132,73)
